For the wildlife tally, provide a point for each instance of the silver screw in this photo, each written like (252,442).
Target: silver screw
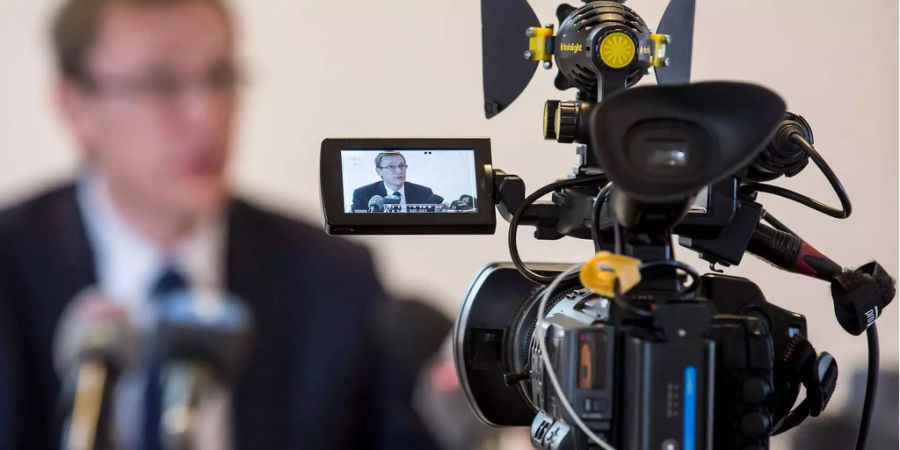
(548,64)
(682,333)
(667,62)
(529,32)
(528,54)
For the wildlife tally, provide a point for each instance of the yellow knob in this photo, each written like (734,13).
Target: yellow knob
(617,50)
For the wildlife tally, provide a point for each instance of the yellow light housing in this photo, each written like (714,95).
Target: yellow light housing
(537,44)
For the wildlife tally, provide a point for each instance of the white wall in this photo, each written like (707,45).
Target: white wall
(412,68)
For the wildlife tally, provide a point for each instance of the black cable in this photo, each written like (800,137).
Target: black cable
(621,302)
(595,215)
(871,388)
(695,277)
(794,196)
(846,207)
(777,223)
(514,223)
(617,238)
(625,305)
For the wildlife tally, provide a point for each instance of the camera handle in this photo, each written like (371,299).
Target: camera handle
(567,215)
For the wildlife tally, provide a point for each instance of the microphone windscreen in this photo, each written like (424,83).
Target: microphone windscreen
(376,200)
(206,325)
(93,326)
(466,202)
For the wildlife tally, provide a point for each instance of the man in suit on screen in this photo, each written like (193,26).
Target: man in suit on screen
(391,168)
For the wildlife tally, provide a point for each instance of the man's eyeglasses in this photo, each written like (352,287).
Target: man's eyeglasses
(167,87)
(393,167)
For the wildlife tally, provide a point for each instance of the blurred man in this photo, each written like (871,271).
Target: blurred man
(391,168)
(148,89)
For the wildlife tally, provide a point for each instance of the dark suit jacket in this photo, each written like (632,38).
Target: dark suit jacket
(316,379)
(415,194)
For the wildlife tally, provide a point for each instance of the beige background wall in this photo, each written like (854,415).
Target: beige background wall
(412,68)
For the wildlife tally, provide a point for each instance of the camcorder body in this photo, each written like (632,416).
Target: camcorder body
(638,382)
(633,349)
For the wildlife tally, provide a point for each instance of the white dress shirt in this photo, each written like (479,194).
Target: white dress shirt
(402,191)
(127,266)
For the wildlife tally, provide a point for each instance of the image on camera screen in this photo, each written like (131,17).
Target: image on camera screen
(701,203)
(409,181)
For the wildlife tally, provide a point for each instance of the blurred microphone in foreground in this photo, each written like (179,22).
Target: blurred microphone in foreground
(94,345)
(204,339)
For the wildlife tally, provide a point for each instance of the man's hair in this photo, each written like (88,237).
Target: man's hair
(383,154)
(78,23)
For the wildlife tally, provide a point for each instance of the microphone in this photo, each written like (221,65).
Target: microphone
(465,203)
(376,203)
(389,201)
(782,156)
(94,343)
(204,337)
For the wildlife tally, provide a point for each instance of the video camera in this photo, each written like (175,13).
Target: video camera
(632,349)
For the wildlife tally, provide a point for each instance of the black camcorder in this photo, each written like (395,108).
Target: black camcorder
(631,349)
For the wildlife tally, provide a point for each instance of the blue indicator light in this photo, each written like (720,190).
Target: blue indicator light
(690,406)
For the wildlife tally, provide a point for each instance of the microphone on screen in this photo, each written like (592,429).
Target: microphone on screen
(376,203)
